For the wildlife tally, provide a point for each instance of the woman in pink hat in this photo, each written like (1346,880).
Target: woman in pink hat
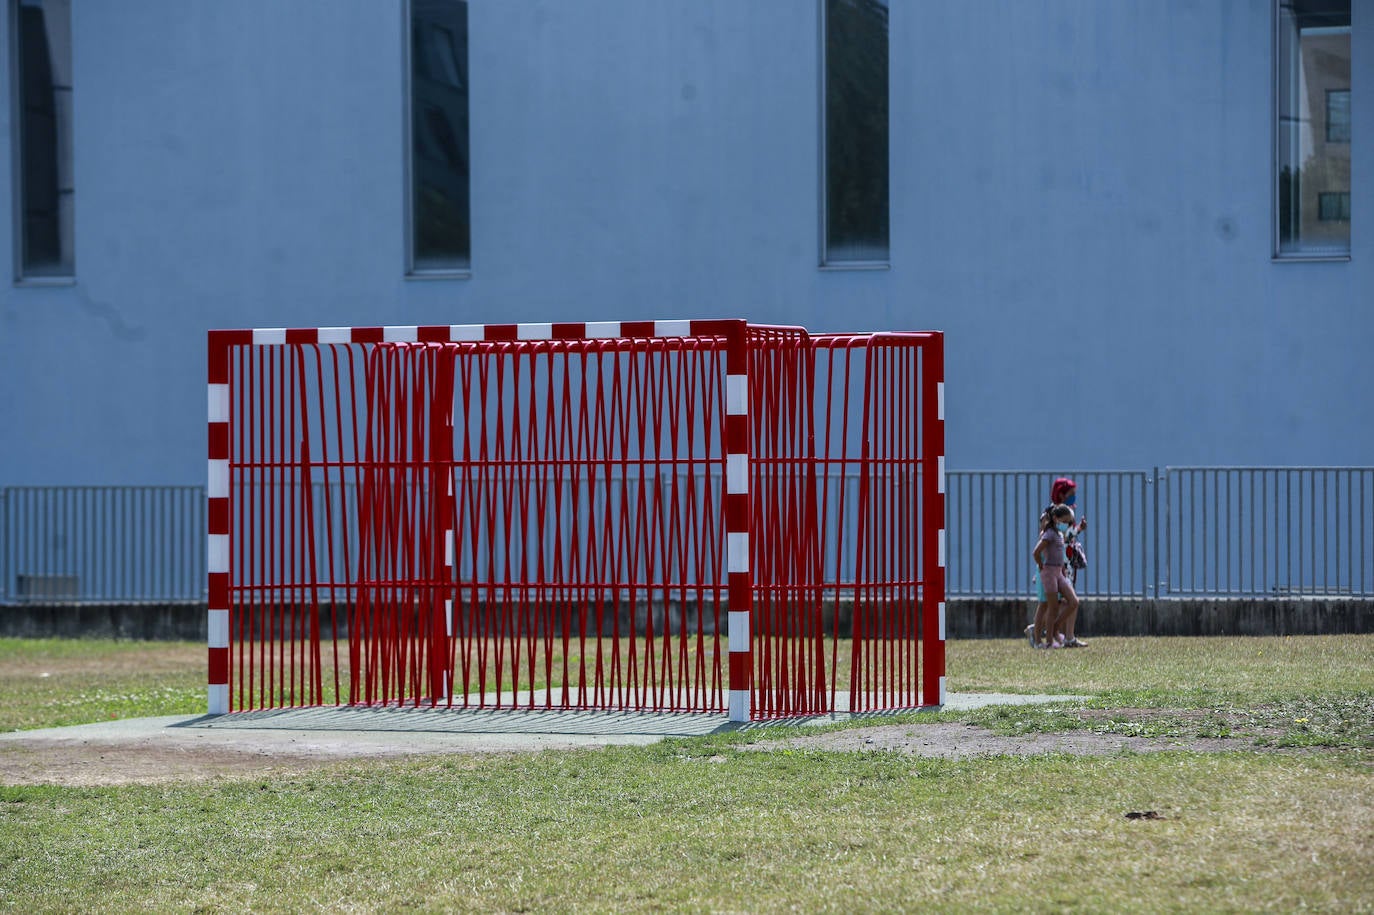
(1059,632)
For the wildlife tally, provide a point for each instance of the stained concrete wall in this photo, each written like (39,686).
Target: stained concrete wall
(965,619)
(970,619)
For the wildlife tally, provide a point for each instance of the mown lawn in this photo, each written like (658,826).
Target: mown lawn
(1287,822)
(48,683)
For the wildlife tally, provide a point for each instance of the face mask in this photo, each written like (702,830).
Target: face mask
(1071,498)
(1061,527)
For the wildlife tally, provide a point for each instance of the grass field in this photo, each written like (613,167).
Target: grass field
(1285,822)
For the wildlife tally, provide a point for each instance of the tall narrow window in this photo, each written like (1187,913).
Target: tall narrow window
(855,105)
(42,81)
(440,176)
(1313,129)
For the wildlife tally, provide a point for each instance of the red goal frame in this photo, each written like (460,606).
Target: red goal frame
(767,493)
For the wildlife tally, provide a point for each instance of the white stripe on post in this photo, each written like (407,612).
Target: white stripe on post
(942,690)
(737,552)
(217,553)
(458,333)
(736,474)
(218,406)
(673,328)
(736,395)
(217,486)
(942,547)
(218,636)
(218,699)
(940,478)
(269,336)
(534,331)
(738,623)
(400,334)
(942,621)
(739,705)
(597,330)
(334,335)
(940,394)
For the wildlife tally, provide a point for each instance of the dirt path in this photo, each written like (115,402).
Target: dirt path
(175,749)
(155,750)
(954,740)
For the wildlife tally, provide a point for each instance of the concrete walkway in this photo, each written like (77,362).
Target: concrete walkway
(388,730)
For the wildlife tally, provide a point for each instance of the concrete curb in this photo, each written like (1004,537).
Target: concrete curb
(425,729)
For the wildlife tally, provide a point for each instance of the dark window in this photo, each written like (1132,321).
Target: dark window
(440,178)
(1333,206)
(856,132)
(1338,115)
(43,99)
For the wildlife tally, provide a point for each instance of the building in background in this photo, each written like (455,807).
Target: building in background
(1136,221)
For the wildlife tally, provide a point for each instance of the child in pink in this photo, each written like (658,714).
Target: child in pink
(1049,556)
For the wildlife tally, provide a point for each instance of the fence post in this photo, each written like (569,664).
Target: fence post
(1161,520)
(4,545)
(1150,574)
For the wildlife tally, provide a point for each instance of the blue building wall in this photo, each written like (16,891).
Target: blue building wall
(1081,197)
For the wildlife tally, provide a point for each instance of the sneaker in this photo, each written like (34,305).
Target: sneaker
(1075,643)
(1030,634)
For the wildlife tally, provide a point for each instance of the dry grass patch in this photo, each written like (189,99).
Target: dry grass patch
(656,828)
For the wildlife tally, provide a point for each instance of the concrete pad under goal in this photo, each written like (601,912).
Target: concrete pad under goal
(357,732)
(512,718)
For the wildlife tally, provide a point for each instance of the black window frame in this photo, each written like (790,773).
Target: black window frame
(438,169)
(43,192)
(1295,189)
(869,190)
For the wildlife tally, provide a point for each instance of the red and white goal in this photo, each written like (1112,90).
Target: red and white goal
(696,516)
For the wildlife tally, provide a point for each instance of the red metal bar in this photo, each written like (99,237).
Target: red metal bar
(933,505)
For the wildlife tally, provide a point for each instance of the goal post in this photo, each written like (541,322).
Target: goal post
(707,516)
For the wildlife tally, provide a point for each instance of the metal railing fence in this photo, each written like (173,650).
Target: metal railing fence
(1166,532)
(1267,531)
(102,544)
(992,523)
(1173,532)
